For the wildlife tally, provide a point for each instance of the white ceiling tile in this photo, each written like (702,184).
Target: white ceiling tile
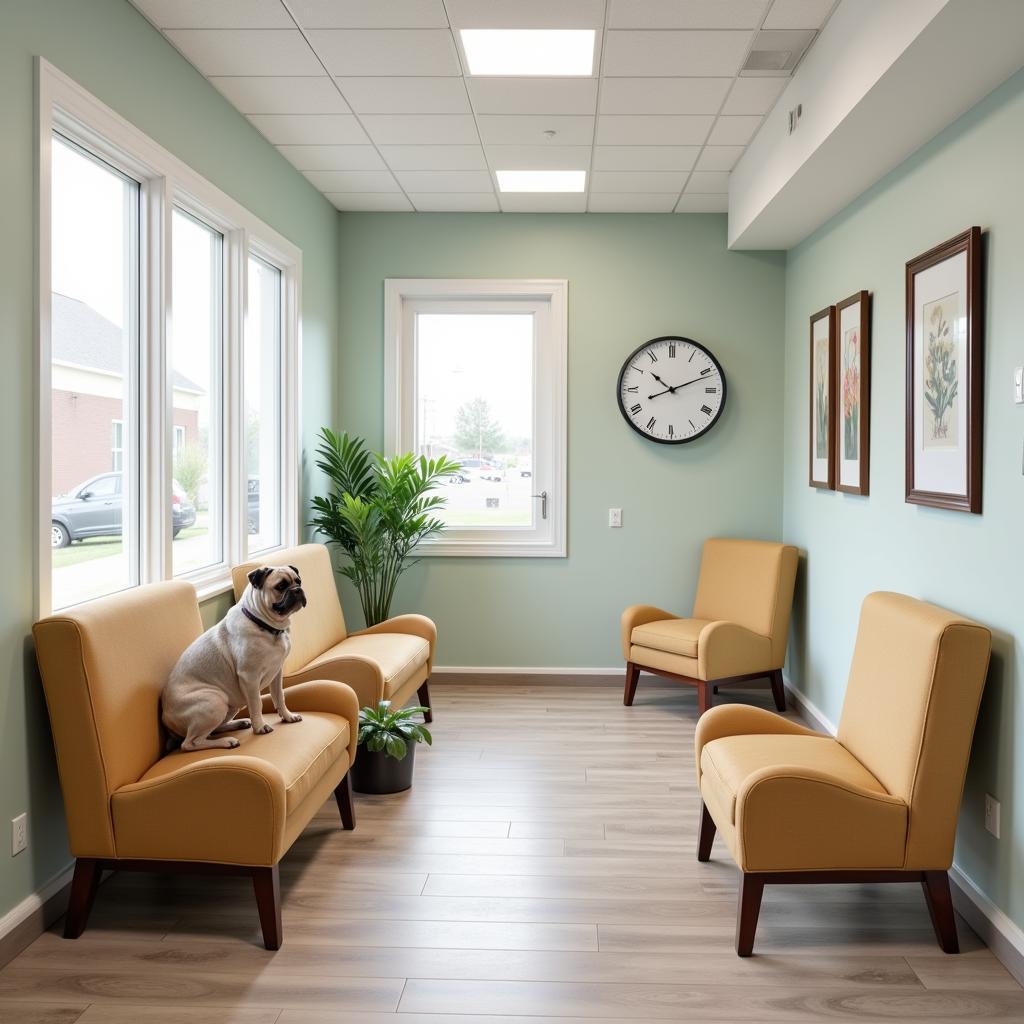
(282,95)
(421,129)
(528,130)
(645,158)
(637,181)
(533,95)
(333,158)
(663,95)
(370,13)
(397,95)
(445,181)
(652,130)
(215,13)
(686,13)
(454,202)
(526,13)
(798,13)
(674,54)
(719,158)
(353,181)
(734,131)
(626,202)
(754,95)
(434,158)
(385,202)
(379,52)
(246,51)
(310,129)
(539,158)
(703,204)
(539,202)
(708,182)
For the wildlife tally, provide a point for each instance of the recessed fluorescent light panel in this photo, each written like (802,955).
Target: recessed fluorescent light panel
(529,51)
(541,181)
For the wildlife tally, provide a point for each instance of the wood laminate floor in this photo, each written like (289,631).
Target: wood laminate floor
(541,871)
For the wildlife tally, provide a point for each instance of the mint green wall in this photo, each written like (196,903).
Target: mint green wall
(971,174)
(111,50)
(631,278)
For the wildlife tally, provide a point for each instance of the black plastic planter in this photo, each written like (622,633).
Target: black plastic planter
(376,772)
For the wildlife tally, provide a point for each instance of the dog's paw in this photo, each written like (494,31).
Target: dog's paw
(242,723)
(232,744)
(263,729)
(290,717)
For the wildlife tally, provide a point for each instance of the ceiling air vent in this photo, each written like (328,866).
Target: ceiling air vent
(776,53)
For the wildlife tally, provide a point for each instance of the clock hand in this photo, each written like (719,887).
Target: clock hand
(672,390)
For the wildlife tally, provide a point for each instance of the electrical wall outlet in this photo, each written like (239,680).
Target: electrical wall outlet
(992,815)
(615,517)
(19,834)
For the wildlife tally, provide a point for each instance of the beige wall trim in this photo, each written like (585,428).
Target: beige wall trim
(24,923)
(996,930)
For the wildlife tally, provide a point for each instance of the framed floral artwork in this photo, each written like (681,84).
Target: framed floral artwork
(853,393)
(944,375)
(823,399)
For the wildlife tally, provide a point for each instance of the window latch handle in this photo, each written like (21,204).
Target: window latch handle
(543,503)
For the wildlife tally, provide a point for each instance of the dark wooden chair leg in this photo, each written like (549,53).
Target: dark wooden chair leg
(346,806)
(632,677)
(751,889)
(84,884)
(423,693)
(706,836)
(940,909)
(267,884)
(778,689)
(703,696)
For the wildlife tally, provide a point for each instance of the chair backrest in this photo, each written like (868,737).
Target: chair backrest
(749,582)
(104,665)
(911,703)
(321,624)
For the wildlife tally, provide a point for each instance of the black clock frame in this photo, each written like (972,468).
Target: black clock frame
(628,362)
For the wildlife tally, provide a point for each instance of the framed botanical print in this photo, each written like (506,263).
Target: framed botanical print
(823,398)
(944,375)
(853,393)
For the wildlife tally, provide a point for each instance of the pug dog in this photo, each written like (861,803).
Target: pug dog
(233,663)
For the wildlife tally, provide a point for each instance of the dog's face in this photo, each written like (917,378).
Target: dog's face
(278,589)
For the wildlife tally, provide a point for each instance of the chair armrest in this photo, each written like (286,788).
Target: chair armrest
(639,615)
(413,625)
(229,809)
(362,675)
(329,695)
(741,720)
(726,649)
(793,818)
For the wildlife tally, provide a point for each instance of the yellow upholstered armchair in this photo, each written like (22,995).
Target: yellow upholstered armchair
(738,630)
(389,661)
(130,805)
(877,803)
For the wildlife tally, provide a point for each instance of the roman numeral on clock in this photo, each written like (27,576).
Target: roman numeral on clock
(672,350)
(654,358)
(650,423)
(671,431)
(708,391)
(634,390)
(706,371)
(706,409)
(634,409)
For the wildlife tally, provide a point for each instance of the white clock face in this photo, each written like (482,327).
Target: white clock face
(671,390)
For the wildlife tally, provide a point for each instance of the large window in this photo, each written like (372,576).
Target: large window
(168,357)
(477,373)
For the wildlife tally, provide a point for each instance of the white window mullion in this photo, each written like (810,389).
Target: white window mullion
(235,305)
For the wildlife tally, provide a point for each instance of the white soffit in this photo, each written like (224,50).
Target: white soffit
(870,97)
(372,97)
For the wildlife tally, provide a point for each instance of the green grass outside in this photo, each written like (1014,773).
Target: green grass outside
(109,547)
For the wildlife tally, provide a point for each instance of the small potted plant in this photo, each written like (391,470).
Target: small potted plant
(388,740)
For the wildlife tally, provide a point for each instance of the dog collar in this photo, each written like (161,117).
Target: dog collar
(263,625)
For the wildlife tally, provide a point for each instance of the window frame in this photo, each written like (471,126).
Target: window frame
(402,296)
(165,181)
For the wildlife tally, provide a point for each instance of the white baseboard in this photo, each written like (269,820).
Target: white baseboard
(997,931)
(33,915)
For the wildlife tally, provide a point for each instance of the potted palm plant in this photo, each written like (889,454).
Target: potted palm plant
(388,740)
(377,511)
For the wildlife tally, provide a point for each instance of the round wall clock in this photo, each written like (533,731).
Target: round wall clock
(671,390)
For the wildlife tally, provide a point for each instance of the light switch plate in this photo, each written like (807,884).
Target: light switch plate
(992,815)
(19,834)
(615,517)
(1018,384)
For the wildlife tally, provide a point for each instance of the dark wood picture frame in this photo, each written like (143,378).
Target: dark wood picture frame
(969,243)
(829,481)
(864,396)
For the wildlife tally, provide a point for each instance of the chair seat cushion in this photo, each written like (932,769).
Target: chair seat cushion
(726,763)
(675,636)
(398,655)
(303,752)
